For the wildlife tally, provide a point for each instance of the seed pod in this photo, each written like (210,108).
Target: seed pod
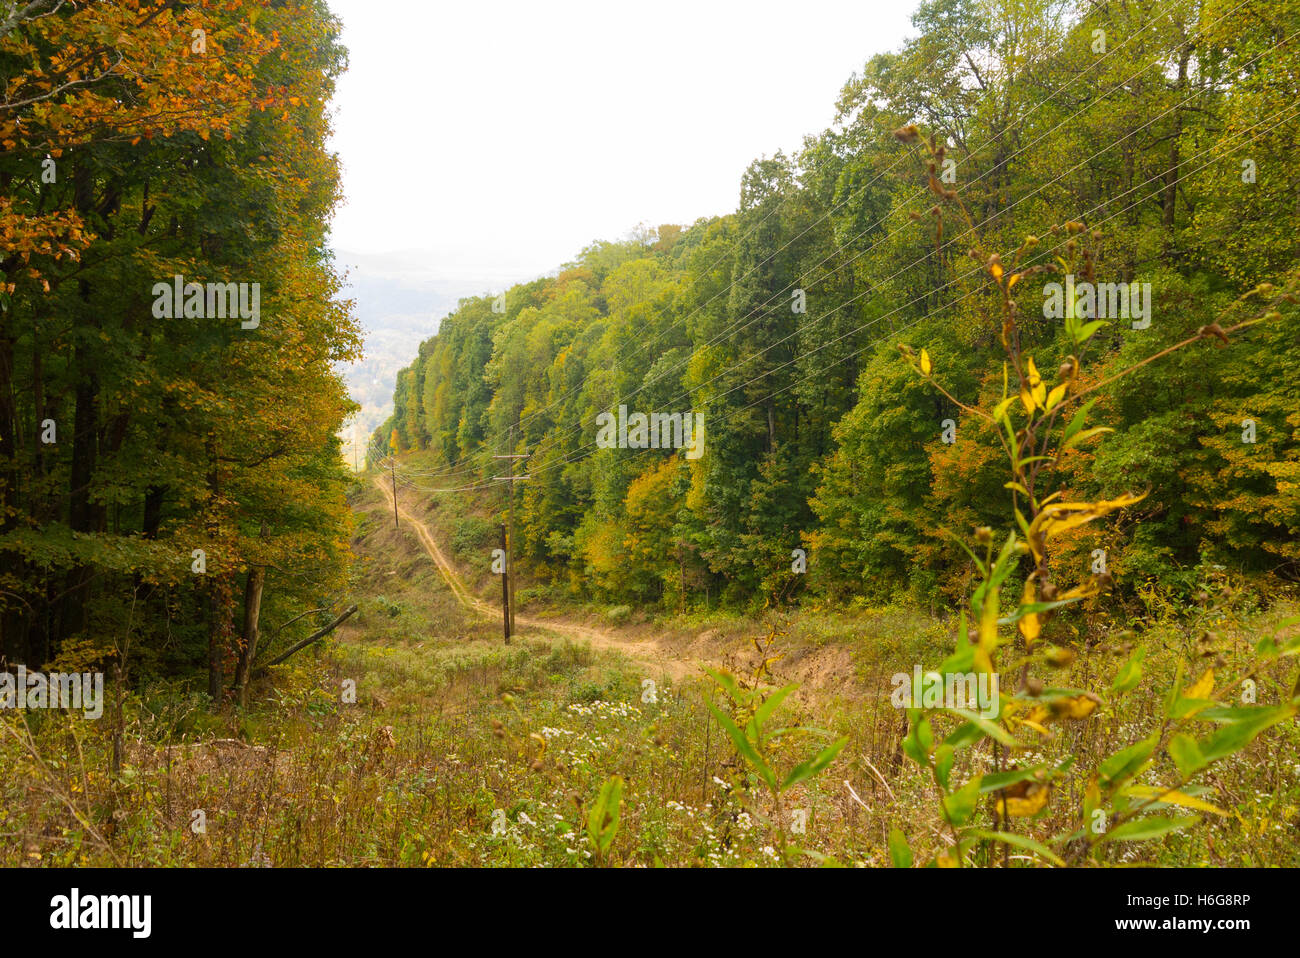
(1214,329)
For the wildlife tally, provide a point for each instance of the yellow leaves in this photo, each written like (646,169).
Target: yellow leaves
(1036,718)
(1173,797)
(1030,627)
(1055,396)
(541,743)
(996,270)
(1033,394)
(1074,707)
(1027,400)
(1023,799)
(1203,688)
(1084,590)
(988,634)
(1013,280)
(1036,384)
(926,365)
(1061,517)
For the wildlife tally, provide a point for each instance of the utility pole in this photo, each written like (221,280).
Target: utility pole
(509,543)
(510,552)
(393,471)
(505,588)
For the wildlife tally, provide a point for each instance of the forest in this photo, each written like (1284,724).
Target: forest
(1166,130)
(168,477)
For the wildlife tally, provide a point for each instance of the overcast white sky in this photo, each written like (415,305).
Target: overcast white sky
(486,140)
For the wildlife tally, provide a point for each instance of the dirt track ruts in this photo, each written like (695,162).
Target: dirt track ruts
(646,652)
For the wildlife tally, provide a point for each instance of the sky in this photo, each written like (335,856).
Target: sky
(486,142)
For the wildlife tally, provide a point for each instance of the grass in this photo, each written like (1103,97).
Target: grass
(459,750)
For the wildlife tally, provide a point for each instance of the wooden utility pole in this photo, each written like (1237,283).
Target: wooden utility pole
(393,472)
(509,541)
(510,549)
(505,587)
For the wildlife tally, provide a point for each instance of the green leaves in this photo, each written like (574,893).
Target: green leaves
(751,741)
(806,770)
(958,806)
(744,746)
(1237,735)
(764,711)
(602,820)
(991,729)
(899,853)
(1186,755)
(1127,762)
(1130,673)
(1022,841)
(1142,829)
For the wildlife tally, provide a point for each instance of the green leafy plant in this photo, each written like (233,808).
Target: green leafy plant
(752,705)
(1037,423)
(602,819)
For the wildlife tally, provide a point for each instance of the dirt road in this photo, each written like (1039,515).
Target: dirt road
(647,652)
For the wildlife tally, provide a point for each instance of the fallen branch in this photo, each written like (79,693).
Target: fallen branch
(343,617)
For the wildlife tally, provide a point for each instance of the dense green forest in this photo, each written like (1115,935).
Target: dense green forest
(169,471)
(1168,130)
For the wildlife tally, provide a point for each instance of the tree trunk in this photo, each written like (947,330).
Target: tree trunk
(248,640)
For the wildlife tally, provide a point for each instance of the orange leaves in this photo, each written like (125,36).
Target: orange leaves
(149,46)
